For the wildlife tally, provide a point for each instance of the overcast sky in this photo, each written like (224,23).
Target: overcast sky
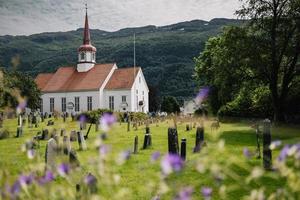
(24,17)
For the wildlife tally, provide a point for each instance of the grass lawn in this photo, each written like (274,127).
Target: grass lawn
(138,175)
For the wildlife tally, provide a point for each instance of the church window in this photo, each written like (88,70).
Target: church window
(51,104)
(123,99)
(63,104)
(111,103)
(89,103)
(140,79)
(77,106)
(82,56)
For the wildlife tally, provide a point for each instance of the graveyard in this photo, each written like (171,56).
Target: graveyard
(139,175)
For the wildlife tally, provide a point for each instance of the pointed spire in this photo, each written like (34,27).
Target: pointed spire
(86,34)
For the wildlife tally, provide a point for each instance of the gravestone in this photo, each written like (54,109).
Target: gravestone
(62,132)
(128,125)
(173,141)
(97,126)
(73,136)
(19,131)
(199,139)
(42,117)
(51,154)
(64,118)
(34,119)
(267,153)
(183,149)
(257,133)
(50,123)
(66,145)
(81,141)
(136,144)
(146,141)
(73,160)
(45,134)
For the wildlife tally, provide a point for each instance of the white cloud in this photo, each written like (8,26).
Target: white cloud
(35,16)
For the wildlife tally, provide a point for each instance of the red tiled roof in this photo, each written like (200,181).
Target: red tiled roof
(67,79)
(42,80)
(122,78)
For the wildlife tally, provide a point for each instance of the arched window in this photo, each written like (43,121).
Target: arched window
(82,56)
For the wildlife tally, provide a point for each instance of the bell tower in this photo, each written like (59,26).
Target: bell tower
(86,52)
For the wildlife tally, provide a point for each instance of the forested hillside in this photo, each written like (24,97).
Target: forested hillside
(165,53)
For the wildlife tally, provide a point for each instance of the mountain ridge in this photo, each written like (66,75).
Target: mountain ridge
(164,52)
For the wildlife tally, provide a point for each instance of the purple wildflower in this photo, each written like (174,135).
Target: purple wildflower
(104,149)
(106,121)
(15,189)
(82,118)
(90,180)
(63,169)
(170,163)
(283,153)
(26,180)
(124,156)
(247,153)
(48,177)
(202,95)
(206,192)
(185,194)
(155,156)
(31,154)
(21,106)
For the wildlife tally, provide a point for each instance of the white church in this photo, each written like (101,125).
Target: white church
(89,86)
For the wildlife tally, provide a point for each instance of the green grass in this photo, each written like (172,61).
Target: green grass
(138,175)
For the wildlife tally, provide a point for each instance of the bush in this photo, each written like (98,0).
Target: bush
(4,134)
(94,115)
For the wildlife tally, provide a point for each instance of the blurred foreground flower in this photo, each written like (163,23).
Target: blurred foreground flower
(283,153)
(155,156)
(21,106)
(202,95)
(63,169)
(48,177)
(123,157)
(206,192)
(247,153)
(31,154)
(275,144)
(106,121)
(171,163)
(90,180)
(185,194)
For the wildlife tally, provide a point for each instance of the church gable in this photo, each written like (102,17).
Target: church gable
(122,78)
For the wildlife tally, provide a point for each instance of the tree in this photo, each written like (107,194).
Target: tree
(170,105)
(16,85)
(264,52)
(276,24)
(153,99)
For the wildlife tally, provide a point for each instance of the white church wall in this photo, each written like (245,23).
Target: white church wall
(101,97)
(70,97)
(118,104)
(140,92)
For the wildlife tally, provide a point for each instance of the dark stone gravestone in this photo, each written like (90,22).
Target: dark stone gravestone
(128,125)
(64,118)
(81,141)
(173,141)
(199,139)
(187,127)
(73,160)
(267,153)
(146,141)
(45,134)
(42,117)
(258,138)
(50,123)
(183,149)
(34,119)
(136,145)
(19,131)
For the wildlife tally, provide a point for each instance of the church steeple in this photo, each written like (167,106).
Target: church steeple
(86,35)
(86,52)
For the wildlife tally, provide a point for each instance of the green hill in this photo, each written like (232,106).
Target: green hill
(165,53)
